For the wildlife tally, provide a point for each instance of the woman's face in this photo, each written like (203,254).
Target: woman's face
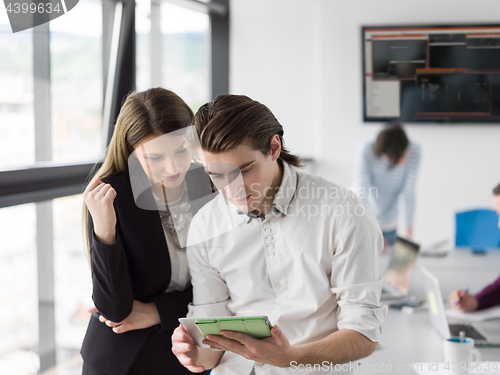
(164,158)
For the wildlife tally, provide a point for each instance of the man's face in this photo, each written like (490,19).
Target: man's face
(243,176)
(497,207)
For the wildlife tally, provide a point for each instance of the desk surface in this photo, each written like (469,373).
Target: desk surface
(410,338)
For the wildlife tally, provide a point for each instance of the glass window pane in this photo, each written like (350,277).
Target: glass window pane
(72,279)
(17,120)
(142,51)
(77,88)
(18,290)
(185,49)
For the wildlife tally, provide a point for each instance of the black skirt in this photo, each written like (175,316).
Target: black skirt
(155,358)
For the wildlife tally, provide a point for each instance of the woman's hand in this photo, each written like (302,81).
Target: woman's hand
(409,231)
(143,315)
(99,198)
(463,301)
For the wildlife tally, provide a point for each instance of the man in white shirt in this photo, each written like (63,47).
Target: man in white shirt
(281,243)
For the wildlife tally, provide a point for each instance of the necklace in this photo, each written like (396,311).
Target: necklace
(175,218)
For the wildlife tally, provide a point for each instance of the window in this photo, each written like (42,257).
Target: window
(72,278)
(77,84)
(173,50)
(185,50)
(17,130)
(18,289)
(143,45)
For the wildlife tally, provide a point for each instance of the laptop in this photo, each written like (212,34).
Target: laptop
(398,274)
(439,320)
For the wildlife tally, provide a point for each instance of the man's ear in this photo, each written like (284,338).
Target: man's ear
(275,147)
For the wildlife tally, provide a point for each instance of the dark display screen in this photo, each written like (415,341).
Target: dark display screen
(431,74)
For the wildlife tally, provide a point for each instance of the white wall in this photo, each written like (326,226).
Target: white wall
(302,58)
(274,52)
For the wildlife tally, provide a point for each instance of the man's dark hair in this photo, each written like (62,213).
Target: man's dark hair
(496,191)
(230,120)
(392,141)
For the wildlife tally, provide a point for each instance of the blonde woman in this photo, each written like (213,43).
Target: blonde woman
(141,282)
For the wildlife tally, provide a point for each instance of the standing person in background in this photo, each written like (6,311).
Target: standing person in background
(385,170)
(490,295)
(137,211)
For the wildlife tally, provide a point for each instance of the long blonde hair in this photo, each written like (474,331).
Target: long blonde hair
(155,111)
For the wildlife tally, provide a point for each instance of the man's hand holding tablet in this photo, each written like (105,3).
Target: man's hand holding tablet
(257,327)
(251,337)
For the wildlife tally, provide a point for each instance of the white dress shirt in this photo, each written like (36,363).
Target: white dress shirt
(310,265)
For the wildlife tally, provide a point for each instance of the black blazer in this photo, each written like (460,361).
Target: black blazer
(137,266)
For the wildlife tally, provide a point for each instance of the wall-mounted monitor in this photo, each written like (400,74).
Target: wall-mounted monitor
(431,73)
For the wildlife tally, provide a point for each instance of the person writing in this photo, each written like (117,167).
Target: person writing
(297,248)
(490,295)
(137,212)
(385,170)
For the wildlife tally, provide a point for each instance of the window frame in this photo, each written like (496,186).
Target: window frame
(46,180)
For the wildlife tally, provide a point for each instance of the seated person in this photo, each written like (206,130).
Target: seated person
(489,296)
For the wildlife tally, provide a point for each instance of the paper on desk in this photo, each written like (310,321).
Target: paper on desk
(476,368)
(476,316)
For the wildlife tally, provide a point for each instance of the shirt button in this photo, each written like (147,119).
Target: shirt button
(271,253)
(269,238)
(260,364)
(278,285)
(271,246)
(269,230)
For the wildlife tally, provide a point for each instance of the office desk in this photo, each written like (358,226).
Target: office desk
(459,269)
(410,338)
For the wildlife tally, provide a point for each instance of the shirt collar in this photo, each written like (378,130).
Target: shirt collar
(287,189)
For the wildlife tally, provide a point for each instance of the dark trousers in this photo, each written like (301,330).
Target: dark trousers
(390,237)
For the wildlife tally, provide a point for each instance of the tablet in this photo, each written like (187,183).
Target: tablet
(257,327)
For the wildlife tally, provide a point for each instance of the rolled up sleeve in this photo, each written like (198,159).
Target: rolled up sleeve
(359,311)
(355,278)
